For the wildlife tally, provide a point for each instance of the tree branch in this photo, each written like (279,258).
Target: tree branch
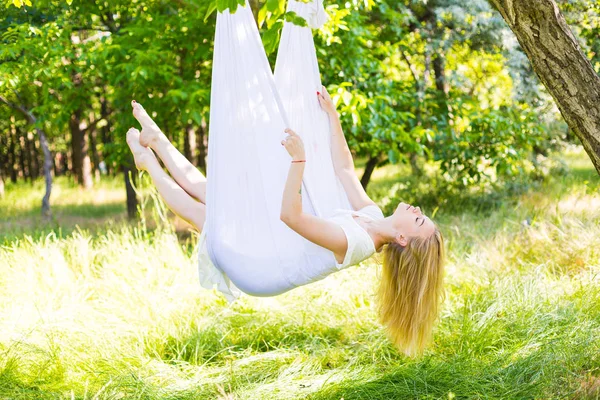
(411,67)
(91,28)
(28,115)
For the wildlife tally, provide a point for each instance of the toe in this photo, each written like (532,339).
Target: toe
(139,113)
(136,106)
(133,135)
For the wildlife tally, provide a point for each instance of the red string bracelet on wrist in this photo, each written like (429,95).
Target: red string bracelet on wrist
(296,161)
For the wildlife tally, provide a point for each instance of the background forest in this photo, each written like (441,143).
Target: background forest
(441,108)
(415,82)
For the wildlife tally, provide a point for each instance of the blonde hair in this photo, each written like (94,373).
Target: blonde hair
(410,291)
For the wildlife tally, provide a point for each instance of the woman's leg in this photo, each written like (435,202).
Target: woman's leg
(176,198)
(184,172)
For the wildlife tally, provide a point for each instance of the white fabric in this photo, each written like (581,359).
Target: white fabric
(250,248)
(360,243)
(210,276)
(313,12)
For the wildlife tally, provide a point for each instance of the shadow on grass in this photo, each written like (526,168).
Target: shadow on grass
(436,378)
(64,221)
(228,338)
(71,210)
(94,219)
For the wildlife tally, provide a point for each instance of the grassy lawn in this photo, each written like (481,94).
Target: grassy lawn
(92,307)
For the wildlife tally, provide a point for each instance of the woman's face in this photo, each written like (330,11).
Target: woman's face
(409,221)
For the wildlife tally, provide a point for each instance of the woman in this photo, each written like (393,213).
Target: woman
(413,252)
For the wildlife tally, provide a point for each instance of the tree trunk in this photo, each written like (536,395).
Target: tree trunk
(69,162)
(189,143)
(369,168)
(22,150)
(12,156)
(36,158)
(94,152)
(28,156)
(59,162)
(3,163)
(561,65)
(202,141)
(439,68)
(47,173)
(105,131)
(132,201)
(76,147)
(82,166)
(442,87)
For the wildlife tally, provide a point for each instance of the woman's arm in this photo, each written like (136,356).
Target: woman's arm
(319,231)
(342,157)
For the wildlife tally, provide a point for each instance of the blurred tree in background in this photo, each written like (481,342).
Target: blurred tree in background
(441,85)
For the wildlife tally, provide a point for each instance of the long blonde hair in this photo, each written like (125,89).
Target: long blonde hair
(411,291)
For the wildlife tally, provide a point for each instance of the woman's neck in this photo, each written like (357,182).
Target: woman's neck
(381,232)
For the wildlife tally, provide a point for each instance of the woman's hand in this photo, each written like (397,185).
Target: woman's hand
(294,145)
(326,102)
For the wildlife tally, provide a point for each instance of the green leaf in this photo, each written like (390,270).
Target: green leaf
(210,11)
(271,37)
(232,5)
(273,6)
(295,19)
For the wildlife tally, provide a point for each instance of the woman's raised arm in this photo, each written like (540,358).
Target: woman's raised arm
(342,157)
(319,231)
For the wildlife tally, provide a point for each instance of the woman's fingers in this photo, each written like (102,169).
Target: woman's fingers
(293,145)
(291,133)
(290,139)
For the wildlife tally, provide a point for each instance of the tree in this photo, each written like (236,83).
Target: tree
(561,65)
(47,156)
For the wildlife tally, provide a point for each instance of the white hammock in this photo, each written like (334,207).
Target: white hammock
(244,241)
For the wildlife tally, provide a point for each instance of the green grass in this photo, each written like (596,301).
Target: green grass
(20,208)
(115,311)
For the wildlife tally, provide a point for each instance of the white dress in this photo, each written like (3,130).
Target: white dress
(360,247)
(360,244)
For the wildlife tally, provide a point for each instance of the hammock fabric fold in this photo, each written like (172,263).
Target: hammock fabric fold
(244,244)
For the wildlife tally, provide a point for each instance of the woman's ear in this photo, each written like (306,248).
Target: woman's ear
(401,240)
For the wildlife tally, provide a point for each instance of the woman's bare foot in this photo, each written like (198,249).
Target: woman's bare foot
(142,155)
(151,133)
